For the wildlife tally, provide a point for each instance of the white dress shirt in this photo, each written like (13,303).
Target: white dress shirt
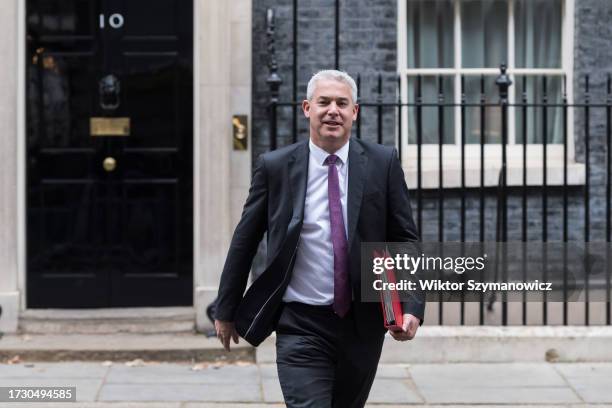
(312,281)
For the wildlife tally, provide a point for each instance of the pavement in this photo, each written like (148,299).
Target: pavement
(443,367)
(433,344)
(247,384)
(120,347)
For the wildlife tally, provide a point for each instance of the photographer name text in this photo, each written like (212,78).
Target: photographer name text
(470,285)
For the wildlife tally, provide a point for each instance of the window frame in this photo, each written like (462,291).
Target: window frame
(452,152)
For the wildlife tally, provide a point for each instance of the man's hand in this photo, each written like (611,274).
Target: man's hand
(409,328)
(225,331)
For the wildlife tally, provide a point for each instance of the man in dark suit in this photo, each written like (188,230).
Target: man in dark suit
(318,200)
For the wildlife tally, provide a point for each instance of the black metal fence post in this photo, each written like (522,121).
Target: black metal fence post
(294,78)
(462,171)
(565,204)
(419,141)
(274,81)
(544,195)
(481,238)
(608,191)
(337,34)
(524,228)
(440,181)
(399,118)
(462,190)
(379,111)
(503,82)
(587,215)
(360,113)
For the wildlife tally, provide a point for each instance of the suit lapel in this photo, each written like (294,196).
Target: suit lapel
(298,175)
(357,162)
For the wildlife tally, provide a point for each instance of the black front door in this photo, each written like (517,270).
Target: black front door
(109,153)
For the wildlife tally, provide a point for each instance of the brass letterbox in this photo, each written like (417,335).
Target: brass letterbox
(109,126)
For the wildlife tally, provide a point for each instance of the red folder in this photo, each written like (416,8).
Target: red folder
(389,299)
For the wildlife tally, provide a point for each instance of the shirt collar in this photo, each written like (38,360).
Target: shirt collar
(320,155)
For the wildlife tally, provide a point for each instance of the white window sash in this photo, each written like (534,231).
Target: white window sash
(451,152)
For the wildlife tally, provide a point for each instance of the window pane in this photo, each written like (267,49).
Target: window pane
(492,114)
(538,33)
(532,88)
(430,117)
(484,33)
(430,34)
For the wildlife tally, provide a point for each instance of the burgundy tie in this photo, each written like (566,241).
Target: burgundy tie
(342,286)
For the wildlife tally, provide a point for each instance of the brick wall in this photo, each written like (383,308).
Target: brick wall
(368,46)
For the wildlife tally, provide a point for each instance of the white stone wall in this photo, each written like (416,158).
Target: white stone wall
(9,295)
(222,177)
(240,101)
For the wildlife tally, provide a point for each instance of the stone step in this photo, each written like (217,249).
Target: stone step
(179,347)
(489,344)
(148,320)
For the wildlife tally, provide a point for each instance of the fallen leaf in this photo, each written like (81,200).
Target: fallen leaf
(135,363)
(199,366)
(551,355)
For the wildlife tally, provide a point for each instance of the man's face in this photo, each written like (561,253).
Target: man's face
(331,112)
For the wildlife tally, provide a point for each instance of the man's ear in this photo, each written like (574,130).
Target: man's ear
(306,107)
(355,112)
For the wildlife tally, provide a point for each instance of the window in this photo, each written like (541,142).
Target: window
(456,48)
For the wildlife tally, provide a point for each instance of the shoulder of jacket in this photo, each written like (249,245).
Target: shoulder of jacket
(375,149)
(281,154)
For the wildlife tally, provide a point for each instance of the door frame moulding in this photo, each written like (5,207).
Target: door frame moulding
(21,152)
(21,181)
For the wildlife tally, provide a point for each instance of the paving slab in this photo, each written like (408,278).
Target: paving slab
(264,405)
(53,370)
(592,381)
(181,392)
(268,370)
(498,395)
(376,405)
(595,394)
(492,383)
(166,373)
(272,391)
(97,405)
(392,371)
(492,406)
(391,390)
(232,405)
(486,375)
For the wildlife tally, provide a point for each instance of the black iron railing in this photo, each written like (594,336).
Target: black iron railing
(556,201)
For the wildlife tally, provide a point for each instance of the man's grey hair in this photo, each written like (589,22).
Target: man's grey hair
(332,74)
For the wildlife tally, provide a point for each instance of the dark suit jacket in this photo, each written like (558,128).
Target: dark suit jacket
(378,211)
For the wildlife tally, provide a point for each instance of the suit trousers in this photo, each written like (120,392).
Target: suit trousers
(321,360)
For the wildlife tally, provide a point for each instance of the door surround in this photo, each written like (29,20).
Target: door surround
(212,154)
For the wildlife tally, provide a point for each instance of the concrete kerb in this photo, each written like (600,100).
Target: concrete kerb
(490,344)
(121,347)
(433,344)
